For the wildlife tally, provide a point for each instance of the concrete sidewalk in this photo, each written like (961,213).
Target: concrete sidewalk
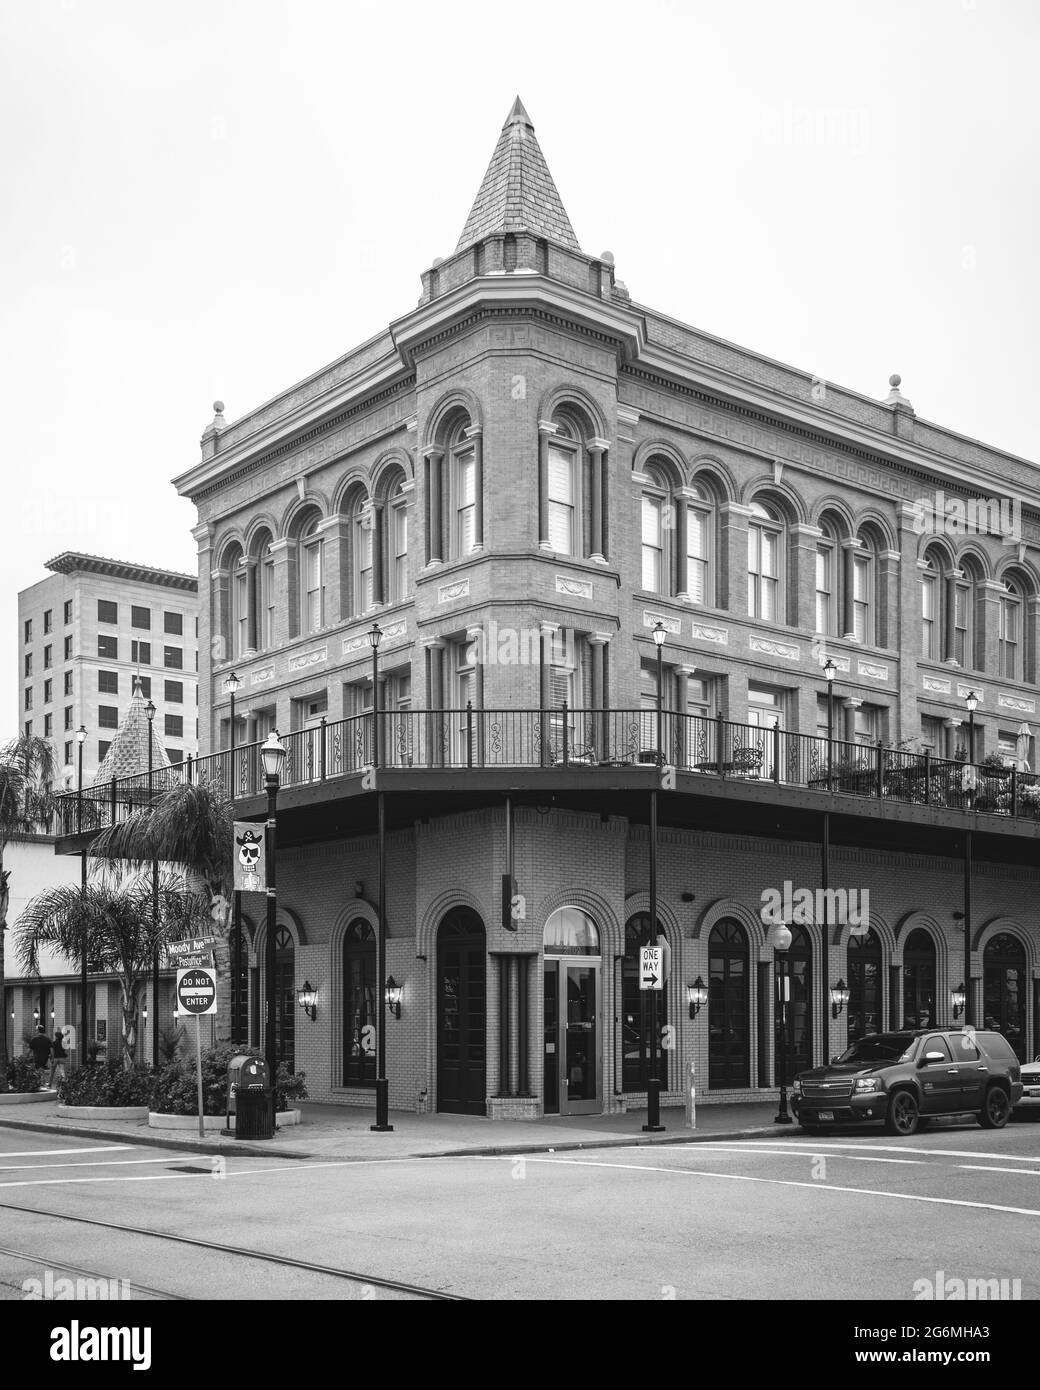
(337,1133)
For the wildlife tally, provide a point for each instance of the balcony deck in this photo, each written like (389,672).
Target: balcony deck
(726,774)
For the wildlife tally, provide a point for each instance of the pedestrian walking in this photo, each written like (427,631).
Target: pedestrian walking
(58,1057)
(40,1046)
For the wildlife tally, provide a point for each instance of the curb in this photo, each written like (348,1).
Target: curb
(152,1141)
(565,1147)
(170,1140)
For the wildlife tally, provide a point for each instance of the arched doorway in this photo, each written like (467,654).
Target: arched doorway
(864,985)
(919,981)
(285,997)
(360,1015)
(729,1007)
(1004,990)
(462,1014)
(238,980)
(573,1046)
(635,1012)
(799,1007)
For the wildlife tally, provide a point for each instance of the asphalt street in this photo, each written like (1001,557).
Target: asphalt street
(859,1216)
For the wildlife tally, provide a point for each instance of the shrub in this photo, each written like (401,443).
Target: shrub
(175,1089)
(23,1075)
(106,1083)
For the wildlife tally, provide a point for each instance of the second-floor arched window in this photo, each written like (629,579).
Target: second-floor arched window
(765,551)
(311,562)
(654,554)
(1009,633)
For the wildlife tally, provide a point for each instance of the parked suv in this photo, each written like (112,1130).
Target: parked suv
(901,1078)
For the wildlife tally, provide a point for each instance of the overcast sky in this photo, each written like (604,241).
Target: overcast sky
(213,199)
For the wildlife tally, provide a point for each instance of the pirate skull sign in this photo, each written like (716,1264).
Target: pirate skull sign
(248,869)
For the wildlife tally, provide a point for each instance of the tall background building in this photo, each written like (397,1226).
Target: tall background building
(85,635)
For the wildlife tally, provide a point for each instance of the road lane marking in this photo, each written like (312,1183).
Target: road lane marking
(90,1163)
(989,1168)
(48,1153)
(804,1153)
(783,1182)
(807,1146)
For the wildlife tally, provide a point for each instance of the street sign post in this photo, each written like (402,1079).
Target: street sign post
(651,967)
(197,994)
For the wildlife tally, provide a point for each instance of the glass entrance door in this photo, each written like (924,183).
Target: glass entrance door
(573,1046)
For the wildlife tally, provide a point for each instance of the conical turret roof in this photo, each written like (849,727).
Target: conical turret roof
(127,755)
(518,193)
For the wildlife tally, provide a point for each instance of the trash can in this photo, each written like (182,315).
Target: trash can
(253,1119)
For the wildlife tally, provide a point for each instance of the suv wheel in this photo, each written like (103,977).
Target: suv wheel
(996,1108)
(903,1114)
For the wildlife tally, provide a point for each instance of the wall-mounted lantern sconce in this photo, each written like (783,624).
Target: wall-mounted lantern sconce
(393,996)
(359,888)
(839,998)
(36,1015)
(696,996)
(308,1000)
(958,998)
(144,1013)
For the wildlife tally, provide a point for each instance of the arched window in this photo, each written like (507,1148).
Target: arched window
(861,599)
(828,559)
(362,518)
(1004,989)
(932,607)
(655,558)
(864,985)
(240,643)
(1009,633)
(765,552)
(636,1011)
(919,981)
(285,997)
(564,472)
(238,955)
(798,968)
(570,932)
(397,549)
(265,579)
(700,544)
(965,600)
(462,1014)
(729,1007)
(361,1015)
(311,569)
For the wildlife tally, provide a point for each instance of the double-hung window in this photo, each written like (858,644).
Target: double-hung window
(764,546)
(562,498)
(312,569)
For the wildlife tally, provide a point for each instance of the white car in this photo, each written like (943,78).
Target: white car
(1030,1088)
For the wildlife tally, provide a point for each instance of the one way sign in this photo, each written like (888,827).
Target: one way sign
(651,968)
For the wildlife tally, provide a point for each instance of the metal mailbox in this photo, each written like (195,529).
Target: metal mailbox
(246,1073)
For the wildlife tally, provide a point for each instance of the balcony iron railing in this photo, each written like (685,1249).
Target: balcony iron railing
(577,739)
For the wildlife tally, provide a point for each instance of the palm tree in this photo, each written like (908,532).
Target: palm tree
(112,919)
(26,806)
(191,825)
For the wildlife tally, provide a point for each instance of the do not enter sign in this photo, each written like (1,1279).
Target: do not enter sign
(197,991)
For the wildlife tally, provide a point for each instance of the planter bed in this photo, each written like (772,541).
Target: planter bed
(103,1112)
(210,1122)
(25,1097)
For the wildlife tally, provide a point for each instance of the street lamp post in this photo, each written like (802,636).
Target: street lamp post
(830,671)
(272,755)
(375,636)
(81,738)
(781,944)
(971,700)
(150,711)
(653,1085)
(231,686)
(660,633)
(382,1124)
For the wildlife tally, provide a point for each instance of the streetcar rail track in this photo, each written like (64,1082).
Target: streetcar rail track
(287,1261)
(36,1259)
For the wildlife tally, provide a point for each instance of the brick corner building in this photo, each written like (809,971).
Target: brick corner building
(518,483)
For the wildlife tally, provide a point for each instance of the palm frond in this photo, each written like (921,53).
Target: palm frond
(191,824)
